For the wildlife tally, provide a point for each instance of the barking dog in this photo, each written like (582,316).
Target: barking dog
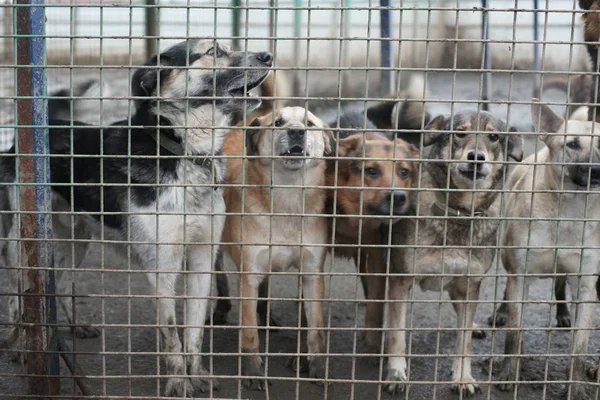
(566,187)
(370,180)
(453,236)
(175,113)
(284,178)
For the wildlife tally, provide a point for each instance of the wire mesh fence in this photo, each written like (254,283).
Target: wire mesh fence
(299,199)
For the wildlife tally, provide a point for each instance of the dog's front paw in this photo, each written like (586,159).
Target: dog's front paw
(204,384)
(466,387)
(505,376)
(592,371)
(563,321)
(179,387)
(86,332)
(252,367)
(316,369)
(298,364)
(397,382)
(498,320)
(478,333)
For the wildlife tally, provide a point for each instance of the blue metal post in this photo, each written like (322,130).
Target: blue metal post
(485,35)
(36,227)
(41,166)
(386,47)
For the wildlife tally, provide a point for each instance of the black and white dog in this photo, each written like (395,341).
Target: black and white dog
(154,184)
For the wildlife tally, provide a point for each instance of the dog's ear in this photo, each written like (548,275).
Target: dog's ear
(251,136)
(327,139)
(381,114)
(515,144)
(545,120)
(145,80)
(436,124)
(350,144)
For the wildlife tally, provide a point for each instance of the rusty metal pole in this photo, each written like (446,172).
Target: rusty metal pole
(34,194)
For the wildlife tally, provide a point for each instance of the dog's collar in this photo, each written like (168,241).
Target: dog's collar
(176,148)
(441,209)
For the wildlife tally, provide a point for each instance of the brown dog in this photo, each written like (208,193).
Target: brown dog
(370,180)
(284,178)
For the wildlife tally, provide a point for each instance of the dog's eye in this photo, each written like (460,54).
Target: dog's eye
(404,173)
(310,124)
(372,172)
(214,51)
(493,137)
(460,135)
(278,122)
(573,145)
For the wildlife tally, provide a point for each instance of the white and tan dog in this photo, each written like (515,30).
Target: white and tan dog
(283,180)
(559,230)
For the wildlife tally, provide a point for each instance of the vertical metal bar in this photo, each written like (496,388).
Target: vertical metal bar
(272,26)
(386,48)
(35,200)
(237,21)
(536,45)
(485,34)
(297,31)
(7,30)
(151,28)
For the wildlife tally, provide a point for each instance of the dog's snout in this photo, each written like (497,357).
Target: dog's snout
(265,57)
(399,199)
(296,134)
(476,156)
(595,172)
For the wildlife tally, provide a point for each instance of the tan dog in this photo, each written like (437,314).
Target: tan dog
(284,178)
(373,187)
(567,187)
(460,182)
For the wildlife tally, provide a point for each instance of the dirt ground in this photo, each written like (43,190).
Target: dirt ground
(123,361)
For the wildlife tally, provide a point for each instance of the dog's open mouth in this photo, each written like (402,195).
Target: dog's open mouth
(295,151)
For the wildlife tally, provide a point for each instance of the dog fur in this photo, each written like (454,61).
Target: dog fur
(579,93)
(172,98)
(467,164)
(299,141)
(371,178)
(591,35)
(404,116)
(573,183)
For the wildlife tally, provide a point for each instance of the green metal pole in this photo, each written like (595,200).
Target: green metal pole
(297,29)
(237,21)
(151,28)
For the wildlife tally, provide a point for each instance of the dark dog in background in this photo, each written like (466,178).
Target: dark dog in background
(403,116)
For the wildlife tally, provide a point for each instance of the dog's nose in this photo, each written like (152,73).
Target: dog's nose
(595,172)
(296,133)
(265,57)
(476,156)
(399,199)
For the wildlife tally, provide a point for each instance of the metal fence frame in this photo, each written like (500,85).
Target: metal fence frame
(45,345)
